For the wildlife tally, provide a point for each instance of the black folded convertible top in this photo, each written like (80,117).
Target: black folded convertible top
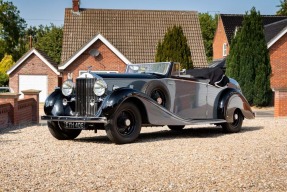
(215,75)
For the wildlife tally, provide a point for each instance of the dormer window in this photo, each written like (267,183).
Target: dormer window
(224,49)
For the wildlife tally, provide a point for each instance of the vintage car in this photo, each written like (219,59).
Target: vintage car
(149,94)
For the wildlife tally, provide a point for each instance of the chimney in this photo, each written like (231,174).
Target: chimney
(76,5)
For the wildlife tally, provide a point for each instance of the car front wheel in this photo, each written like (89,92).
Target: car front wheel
(60,133)
(234,126)
(125,125)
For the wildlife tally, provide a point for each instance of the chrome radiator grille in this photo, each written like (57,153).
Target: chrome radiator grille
(86,100)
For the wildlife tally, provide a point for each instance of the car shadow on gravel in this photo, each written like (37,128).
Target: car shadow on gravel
(95,139)
(204,132)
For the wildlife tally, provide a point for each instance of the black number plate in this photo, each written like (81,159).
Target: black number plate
(74,125)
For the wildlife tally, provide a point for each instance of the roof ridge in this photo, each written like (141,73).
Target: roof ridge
(278,16)
(275,23)
(143,10)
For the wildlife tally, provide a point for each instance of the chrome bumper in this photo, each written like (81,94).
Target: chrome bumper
(75,119)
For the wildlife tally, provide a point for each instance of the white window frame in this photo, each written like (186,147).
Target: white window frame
(224,49)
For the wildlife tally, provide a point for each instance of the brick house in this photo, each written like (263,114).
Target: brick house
(108,39)
(275,28)
(125,36)
(276,38)
(227,27)
(34,70)
(98,53)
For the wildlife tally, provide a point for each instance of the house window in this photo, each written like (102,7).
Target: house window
(224,51)
(82,72)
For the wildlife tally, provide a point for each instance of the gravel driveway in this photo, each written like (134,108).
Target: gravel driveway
(195,159)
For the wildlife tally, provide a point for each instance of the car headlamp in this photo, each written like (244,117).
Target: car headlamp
(68,87)
(100,87)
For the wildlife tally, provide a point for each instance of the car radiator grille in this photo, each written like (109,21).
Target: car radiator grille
(86,100)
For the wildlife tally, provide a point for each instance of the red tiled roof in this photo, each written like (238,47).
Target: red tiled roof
(135,33)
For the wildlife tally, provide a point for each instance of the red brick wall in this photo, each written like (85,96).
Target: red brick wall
(33,65)
(25,110)
(280,107)
(14,111)
(278,60)
(5,111)
(218,41)
(106,61)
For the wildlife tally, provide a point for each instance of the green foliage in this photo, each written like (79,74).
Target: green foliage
(5,64)
(283,8)
(47,39)
(248,61)
(174,47)
(208,26)
(12,28)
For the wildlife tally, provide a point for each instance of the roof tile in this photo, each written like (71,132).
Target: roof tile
(135,33)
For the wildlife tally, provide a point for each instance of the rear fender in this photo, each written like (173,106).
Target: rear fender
(230,100)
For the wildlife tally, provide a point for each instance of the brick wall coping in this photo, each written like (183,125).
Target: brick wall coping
(281,89)
(9,95)
(31,92)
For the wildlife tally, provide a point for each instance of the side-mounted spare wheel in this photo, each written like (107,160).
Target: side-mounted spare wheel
(60,133)
(236,125)
(158,91)
(124,125)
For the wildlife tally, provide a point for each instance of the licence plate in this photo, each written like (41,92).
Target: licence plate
(74,125)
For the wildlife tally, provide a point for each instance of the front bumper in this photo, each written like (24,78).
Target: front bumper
(75,119)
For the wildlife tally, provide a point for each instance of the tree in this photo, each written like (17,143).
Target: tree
(283,8)
(208,26)
(12,28)
(48,39)
(5,64)
(174,47)
(248,61)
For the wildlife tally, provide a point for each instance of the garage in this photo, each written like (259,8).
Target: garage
(37,82)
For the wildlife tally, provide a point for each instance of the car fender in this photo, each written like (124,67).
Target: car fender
(116,98)
(231,99)
(54,104)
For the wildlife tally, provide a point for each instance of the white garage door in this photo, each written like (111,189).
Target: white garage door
(38,82)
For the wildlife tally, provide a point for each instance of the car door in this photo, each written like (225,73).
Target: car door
(189,98)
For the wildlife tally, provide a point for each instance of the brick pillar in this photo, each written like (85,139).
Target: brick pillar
(34,94)
(280,104)
(11,98)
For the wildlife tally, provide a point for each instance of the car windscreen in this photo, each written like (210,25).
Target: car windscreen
(153,68)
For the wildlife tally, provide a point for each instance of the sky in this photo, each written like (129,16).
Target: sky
(44,12)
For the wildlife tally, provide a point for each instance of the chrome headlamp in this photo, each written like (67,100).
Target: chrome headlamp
(68,87)
(100,87)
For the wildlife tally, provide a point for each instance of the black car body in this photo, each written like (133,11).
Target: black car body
(153,94)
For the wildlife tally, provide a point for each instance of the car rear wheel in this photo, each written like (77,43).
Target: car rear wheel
(125,125)
(234,126)
(158,92)
(60,133)
(176,127)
